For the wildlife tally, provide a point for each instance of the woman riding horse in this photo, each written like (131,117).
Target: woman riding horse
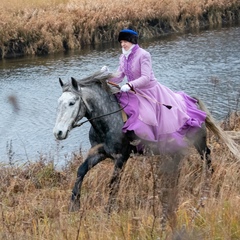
(149,119)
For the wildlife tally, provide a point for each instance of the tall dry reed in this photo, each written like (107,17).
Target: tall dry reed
(42,27)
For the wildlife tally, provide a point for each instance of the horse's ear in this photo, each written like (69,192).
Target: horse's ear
(74,83)
(61,82)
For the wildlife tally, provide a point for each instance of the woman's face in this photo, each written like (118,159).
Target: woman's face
(125,45)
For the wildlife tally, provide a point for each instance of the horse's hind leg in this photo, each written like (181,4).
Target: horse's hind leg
(199,139)
(168,174)
(200,144)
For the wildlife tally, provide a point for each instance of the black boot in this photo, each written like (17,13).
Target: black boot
(133,139)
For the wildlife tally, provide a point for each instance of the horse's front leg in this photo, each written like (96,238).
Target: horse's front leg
(115,182)
(95,155)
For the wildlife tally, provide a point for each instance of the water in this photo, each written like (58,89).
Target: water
(204,64)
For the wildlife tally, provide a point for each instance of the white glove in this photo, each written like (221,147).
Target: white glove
(125,88)
(104,69)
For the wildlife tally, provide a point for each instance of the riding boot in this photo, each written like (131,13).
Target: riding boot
(133,139)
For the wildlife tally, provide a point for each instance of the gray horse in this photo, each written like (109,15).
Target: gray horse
(93,99)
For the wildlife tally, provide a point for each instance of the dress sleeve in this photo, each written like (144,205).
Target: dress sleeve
(120,72)
(145,71)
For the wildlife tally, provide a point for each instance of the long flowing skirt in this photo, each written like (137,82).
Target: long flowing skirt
(151,120)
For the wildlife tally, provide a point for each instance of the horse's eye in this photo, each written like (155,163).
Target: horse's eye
(71,103)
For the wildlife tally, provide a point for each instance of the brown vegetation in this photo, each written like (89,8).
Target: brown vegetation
(42,26)
(34,199)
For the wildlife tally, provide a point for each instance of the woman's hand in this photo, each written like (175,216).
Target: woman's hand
(125,88)
(104,69)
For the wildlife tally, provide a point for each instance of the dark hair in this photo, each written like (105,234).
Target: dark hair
(128,35)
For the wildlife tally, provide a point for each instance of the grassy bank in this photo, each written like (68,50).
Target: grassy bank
(42,27)
(34,199)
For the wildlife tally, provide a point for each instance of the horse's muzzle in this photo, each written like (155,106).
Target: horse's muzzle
(60,135)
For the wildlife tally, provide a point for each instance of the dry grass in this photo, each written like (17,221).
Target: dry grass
(34,199)
(42,27)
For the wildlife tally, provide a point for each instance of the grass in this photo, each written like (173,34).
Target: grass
(42,27)
(34,199)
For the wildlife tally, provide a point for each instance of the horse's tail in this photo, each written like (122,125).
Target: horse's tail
(218,131)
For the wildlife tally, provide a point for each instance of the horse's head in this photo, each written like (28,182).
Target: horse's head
(70,109)
(74,104)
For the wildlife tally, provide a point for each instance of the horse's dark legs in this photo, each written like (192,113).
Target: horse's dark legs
(200,143)
(168,173)
(204,152)
(95,156)
(115,182)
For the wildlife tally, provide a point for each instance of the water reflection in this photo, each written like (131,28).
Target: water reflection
(205,64)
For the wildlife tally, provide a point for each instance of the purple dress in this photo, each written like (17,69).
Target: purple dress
(147,116)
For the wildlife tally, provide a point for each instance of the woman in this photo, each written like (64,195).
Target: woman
(146,99)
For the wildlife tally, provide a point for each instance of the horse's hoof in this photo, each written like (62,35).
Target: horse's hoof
(74,206)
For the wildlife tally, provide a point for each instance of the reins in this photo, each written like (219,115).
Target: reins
(120,109)
(151,99)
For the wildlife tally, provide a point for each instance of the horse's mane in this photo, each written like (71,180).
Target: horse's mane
(99,77)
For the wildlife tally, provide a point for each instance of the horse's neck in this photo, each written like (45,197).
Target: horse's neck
(103,112)
(101,102)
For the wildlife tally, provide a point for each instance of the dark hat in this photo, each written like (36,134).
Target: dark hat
(128,35)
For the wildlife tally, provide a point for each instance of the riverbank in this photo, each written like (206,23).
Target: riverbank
(44,27)
(34,199)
